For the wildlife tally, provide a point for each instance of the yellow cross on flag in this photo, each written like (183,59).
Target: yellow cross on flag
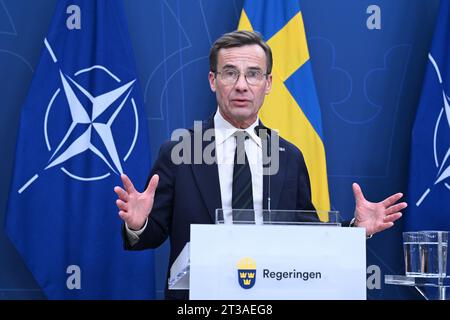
(292,106)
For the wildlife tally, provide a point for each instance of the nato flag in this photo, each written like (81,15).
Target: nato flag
(429,184)
(81,126)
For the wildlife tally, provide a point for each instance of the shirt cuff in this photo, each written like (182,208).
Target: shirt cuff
(133,235)
(352,224)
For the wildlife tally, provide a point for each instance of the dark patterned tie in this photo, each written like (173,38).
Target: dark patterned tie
(242,197)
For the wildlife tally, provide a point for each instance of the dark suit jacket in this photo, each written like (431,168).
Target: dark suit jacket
(190,193)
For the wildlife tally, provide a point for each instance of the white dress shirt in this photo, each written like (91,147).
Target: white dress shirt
(225,150)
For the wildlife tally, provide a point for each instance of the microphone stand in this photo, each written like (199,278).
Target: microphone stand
(267,137)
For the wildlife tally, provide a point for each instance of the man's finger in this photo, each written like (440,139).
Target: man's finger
(122,194)
(392,217)
(385,226)
(153,184)
(392,199)
(396,208)
(357,192)
(127,183)
(124,215)
(122,205)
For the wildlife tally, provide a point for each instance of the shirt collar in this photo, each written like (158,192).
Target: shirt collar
(224,129)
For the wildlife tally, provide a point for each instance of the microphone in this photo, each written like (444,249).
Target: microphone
(264,134)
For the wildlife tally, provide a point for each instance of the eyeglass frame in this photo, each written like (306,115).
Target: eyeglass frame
(265,75)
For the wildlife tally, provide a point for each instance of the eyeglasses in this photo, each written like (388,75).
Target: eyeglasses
(231,76)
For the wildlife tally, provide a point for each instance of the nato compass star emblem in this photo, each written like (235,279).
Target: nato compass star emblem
(442,163)
(73,143)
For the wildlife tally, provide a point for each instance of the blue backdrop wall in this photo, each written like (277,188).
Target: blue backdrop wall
(368,82)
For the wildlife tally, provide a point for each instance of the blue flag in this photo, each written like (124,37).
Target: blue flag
(81,126)
(429,184)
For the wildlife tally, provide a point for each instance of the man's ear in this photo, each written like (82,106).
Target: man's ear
(269,84)
(212,81)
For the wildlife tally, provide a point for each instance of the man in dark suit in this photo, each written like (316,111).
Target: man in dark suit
(181,193)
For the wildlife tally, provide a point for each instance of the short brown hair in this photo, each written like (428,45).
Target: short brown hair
(238,39)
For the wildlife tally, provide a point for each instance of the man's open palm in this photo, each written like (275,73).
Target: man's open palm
(134,207)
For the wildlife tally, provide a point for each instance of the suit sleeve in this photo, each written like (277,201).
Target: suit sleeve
(304,201)
(160,218)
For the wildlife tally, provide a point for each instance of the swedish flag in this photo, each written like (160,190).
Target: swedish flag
(292,107)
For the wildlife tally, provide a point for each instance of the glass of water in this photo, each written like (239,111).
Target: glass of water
(425,253)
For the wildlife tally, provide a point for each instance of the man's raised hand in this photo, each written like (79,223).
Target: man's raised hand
(134,207)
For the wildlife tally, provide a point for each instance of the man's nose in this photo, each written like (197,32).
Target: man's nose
(241,83)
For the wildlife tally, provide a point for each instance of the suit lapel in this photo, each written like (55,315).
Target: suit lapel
(207,179)
(207,176)
(276,182)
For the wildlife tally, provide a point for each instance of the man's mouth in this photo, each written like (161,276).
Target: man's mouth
(240,102)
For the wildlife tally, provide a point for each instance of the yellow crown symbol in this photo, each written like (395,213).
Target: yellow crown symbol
(246,263)
(251,275)
(247,282)
(243,274)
